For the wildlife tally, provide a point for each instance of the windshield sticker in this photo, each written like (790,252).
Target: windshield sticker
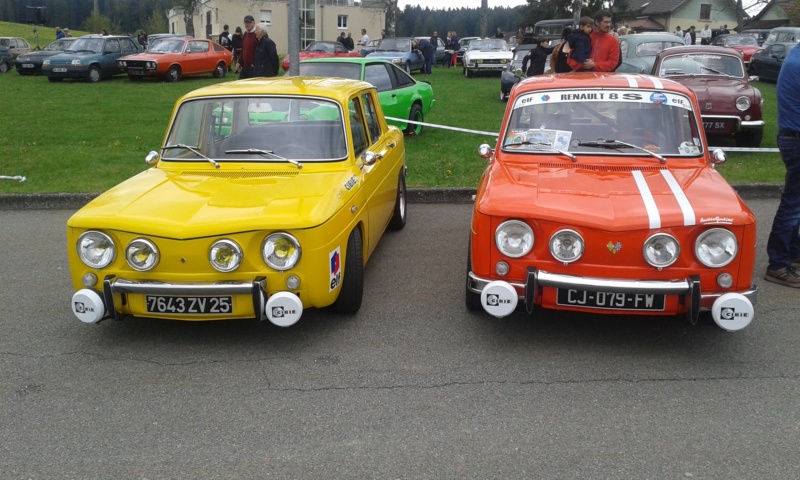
(686,148)
(624,96)
(533,138)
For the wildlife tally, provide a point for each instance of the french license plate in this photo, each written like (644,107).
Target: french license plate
(610,300)
(60,70)
(189,305)
(27,65)
(136,71)
(716,126)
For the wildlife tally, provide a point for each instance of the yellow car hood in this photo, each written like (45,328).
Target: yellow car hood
(212,202)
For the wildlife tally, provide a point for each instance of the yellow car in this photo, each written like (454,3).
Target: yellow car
(267,197)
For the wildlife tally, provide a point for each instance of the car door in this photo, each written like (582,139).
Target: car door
(774,60)
(378,76)
(197,58)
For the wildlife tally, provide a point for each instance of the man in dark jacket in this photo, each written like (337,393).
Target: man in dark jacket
(428,51)
(266,57)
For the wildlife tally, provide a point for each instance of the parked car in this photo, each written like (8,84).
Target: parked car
(638,50)
(174,58)
(321,50)
(766,63)
(401,96)
(440,48)
(731,107)
(401,52)
(760,34)
(747,45)
(463,44)
(486,55)
(154,38)
(370,47)
(268,197)
(782,35)
(31,63)
(90,57)
(16,45)
(6,60)
(601,197)
(513,73)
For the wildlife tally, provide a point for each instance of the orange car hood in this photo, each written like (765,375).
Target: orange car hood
(196,204)
(612,198)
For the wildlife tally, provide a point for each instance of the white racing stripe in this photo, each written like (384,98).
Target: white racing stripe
(631,81)
(657,83)
(647,198)
(680,196)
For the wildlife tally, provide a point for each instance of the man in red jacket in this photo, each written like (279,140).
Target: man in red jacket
(605,55)
(249,42)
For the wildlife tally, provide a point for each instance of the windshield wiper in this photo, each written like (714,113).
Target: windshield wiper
(714,70)
(191,149)
(265,153)
(543,144)
(616,144)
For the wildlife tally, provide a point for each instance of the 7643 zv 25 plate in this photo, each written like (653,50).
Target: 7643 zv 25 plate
(189,305)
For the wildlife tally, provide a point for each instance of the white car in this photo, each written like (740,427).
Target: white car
(487,55)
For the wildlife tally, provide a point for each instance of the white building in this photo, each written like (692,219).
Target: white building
(319,19)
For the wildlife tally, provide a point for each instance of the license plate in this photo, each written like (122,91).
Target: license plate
(610,300)
(716,126)
(27,65)
(60,70)
(135,71)
(189,305)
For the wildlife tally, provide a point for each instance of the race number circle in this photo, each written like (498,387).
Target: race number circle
(499,299)
(732,312)
(284,309)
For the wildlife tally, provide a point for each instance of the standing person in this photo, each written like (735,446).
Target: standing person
(428,51)
(142,39)
(348,42)
(59,33)
(266,62)
(558,59)
(435,42)
(364,38)
(456,47)
(499,33)
(67,34)
(225,38)
(249,41)
(690,36)
(341,38)
(605,55)
(705,35)
(448,50)
(580,41)
(537,58)
(236,43)
(783,245)
(724,30)
(679,32)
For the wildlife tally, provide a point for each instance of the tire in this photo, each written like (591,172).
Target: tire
(173,74)
(352,289)
(466,71)
(408,68)
(749,139)
(94,74)
(416,115)
(398,220)
(472,300)
(221,70)
(503,98)
(3,67)
(54,79)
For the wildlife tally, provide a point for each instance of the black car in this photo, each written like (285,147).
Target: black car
(766,63)
(31,63)
(513,72)
(5,59)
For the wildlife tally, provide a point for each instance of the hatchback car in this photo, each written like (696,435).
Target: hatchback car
(401,96)
(321,50)
(174,58)
(267,197)
(90,57)
(6,61)
(16,45)
(766,63)
(401,52)
(486,55)
(31,63)
(638,50)
(730,106)
(601,197)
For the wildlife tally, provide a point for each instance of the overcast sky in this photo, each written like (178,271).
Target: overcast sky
(439,5)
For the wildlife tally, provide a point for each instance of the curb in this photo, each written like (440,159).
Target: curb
(74,201)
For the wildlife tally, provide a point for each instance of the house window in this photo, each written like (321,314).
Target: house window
(705,11)
(266,17)
(342,21)
(308,29)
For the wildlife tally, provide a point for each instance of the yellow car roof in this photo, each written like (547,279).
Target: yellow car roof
(335,88)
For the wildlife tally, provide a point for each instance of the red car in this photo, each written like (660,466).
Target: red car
(601,197)
(747,45)
(322,50)
(173,58)
(729,104)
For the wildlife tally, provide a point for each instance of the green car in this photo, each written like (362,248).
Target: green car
(401,96)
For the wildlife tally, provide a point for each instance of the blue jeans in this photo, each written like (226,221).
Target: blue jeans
(429,63)
(783,244)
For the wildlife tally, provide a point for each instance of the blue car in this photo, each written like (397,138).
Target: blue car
(400,52)
(91,57)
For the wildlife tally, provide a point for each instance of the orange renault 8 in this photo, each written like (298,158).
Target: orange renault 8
(601,196)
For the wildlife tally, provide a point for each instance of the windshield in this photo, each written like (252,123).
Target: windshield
(331,69)
(596,121)
(519,55)
(57,46)
(87,44)
(167,46)
(740,40)
(257,129)
(395,45)
(321,47)
(488,44)
(712,64)
(651,49)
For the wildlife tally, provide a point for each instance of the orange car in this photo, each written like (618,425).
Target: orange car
(601,197)
(173,58)
(321,50)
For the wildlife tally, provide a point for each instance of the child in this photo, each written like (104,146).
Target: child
(580,44)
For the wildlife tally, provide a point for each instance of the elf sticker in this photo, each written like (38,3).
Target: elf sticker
(335,261)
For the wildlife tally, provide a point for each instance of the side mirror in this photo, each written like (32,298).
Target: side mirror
(370,158)
(485,151)
(151,158)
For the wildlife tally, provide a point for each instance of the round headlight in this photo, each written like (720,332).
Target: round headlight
(96,249)
(514,238)
(566,246)
(716,247)
(281,251)
(122,63)
(661,250)
(46,62)
(225,255)
(743,103)
(142,254)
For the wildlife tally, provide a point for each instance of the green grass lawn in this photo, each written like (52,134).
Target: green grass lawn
(80,137)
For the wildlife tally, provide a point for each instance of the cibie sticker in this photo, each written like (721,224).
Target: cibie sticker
(335,262)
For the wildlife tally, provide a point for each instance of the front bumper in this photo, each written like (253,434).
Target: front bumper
(66,71)
(728,124)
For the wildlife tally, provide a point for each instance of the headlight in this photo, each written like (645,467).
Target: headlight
(397,60)
(46,62)
(281,251)
(142,254)
(742,103)
(513,238)
(96,249)
(716,247)
(661,250)
(566,246)
(77,62)
(225,255)
(122,64)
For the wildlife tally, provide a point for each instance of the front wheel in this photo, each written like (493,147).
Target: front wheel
(94,74)
(173,74)
(352,289)
(398,220)
(466,71)
(408,68)
(414,115)
(3,67)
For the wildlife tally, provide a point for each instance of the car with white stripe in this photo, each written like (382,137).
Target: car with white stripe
(601,196)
